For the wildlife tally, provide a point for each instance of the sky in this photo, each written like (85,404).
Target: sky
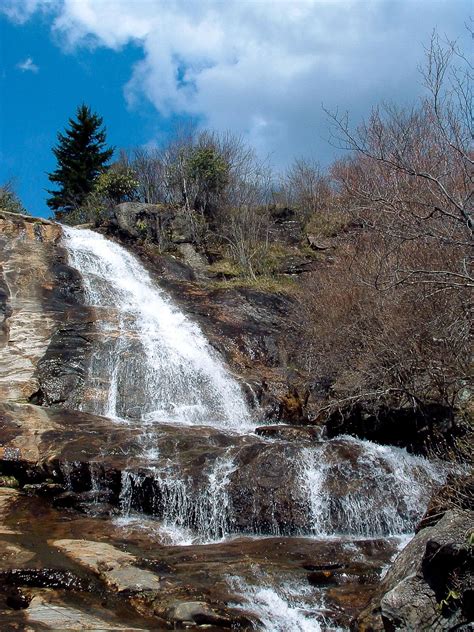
(262,69)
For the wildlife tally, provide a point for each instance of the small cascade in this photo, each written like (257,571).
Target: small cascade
(377,491)
(342,487)
(151,362)
(280,608)
(184,506)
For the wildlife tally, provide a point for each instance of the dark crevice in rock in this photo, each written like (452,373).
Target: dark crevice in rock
(420,429)
(62,369)
(37,398)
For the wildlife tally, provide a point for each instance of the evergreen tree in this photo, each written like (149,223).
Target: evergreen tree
(82,155)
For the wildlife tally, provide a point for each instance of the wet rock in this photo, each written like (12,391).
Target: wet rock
(8,497)
(18,599)
(115,567)
(322,567)
(430,584)
(44,489)
(198,613)
(109,559)
(260,486)
(290,433)
(48,609)
(12,554)
(43,578)
(322,577)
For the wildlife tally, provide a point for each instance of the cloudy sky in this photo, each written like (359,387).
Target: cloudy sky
(260,68)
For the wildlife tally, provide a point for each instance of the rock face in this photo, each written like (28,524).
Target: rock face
(419,430)
(141,221)
(212,483)
(430,586)
(44,327)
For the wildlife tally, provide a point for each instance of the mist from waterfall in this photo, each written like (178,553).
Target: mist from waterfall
(150,362)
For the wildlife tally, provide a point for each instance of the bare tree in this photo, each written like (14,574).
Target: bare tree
(305,188)
(412,174)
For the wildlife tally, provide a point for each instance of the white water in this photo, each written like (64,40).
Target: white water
(345,487)
(383,493)
(190,511)
(152,361)
(280,608)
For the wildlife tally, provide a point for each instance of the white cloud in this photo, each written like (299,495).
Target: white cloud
(28,66)
(20,11)
(263,67)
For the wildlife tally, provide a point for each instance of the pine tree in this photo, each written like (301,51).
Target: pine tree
(82,155)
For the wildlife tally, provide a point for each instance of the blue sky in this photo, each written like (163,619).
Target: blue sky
(259,68)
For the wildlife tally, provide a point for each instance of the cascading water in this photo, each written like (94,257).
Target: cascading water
(379,491)
(184,508)
(155,362)
(280,609)
(151,364)
(341,487)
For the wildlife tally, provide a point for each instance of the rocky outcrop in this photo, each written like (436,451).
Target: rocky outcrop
(430,586)
(208,481)
(135,220)
(421,429)
(45,329)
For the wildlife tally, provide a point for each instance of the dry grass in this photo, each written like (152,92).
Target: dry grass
(272,284)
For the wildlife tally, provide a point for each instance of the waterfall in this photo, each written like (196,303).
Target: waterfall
(338,488)
(150,362)
(151,365)
(184,505)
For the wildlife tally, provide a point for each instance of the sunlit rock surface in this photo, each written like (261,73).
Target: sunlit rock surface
(44,327)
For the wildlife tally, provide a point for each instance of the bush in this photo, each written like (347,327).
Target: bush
(9,200)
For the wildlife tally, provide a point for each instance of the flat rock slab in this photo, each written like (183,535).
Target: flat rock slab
(45,610)
(154,585)
(114,566)
(38,434)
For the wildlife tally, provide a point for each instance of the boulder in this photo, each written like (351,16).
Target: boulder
(430,585)
(137,220)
